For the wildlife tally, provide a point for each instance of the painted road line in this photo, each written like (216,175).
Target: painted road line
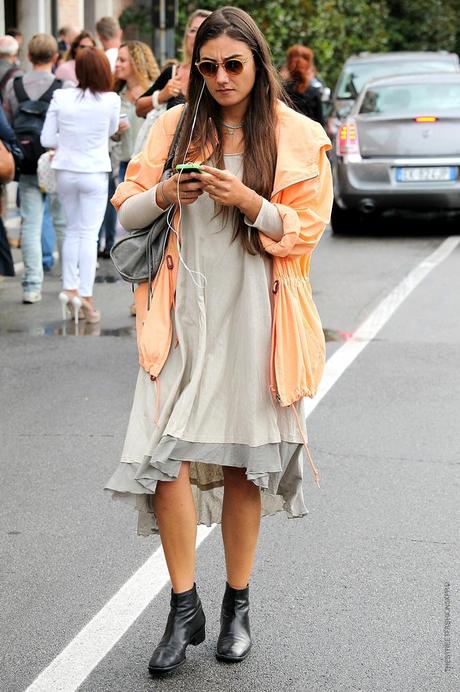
(76,662)
(73,665)
(367,331)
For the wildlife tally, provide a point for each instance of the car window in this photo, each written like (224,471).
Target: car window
(355,76)
(419,99)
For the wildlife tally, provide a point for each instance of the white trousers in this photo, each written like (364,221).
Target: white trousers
(84,198)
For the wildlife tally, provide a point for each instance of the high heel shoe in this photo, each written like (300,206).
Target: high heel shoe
(70,303)
(234,642)
(91,314)
(186,625)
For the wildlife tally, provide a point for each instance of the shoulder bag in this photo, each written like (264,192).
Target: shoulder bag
(7,164)
(138,256)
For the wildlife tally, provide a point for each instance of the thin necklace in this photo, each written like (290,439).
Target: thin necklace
(232,128)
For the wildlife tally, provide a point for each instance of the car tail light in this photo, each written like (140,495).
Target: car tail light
(426,119)
(347,139)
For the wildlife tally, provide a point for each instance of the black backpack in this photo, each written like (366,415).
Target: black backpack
(28,122)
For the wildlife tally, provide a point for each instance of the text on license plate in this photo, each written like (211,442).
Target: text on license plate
(419,174)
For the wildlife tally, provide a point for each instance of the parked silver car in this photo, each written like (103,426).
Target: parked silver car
(399,149)
(362,68)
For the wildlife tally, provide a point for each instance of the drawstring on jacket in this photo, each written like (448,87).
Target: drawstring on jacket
(305,444)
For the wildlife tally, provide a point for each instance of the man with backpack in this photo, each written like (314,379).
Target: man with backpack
(26,101)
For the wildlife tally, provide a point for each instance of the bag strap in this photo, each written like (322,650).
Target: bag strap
(167,166)
(48,94)
(174,143)
(8,75)
(20,92)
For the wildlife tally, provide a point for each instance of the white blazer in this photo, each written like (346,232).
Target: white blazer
(78,125)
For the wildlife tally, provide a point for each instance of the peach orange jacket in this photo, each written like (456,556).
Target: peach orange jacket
(302,192)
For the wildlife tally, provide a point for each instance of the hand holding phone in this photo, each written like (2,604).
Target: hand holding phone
(188,168)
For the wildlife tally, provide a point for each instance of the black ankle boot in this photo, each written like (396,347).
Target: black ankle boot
(186,625)
(234,641)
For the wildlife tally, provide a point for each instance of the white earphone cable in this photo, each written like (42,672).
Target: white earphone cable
(201,283)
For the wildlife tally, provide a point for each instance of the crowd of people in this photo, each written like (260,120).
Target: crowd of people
(93,100)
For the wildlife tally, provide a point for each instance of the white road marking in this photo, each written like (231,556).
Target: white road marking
(346,354)
(73,665)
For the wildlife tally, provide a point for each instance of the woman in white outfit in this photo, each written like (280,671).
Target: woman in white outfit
(78,125)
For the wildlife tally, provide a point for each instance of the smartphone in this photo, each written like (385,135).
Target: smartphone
(173,71)
(188,168)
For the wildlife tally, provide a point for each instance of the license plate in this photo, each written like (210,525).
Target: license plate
(429,174)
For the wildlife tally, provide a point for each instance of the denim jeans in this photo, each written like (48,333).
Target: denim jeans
(32,204)
(48,237)
(108,228)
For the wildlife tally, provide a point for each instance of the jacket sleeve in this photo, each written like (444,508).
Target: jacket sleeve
(305,210)
(49,137)
(145,169)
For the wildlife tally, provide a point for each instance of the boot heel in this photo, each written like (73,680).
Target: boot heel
(199,637)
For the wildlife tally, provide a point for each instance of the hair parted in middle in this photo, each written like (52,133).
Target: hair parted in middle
(144,64)
(93,72)
(299,62)
(72,52)
(260,149)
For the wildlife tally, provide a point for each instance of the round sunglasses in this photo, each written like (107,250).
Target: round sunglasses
(232,66)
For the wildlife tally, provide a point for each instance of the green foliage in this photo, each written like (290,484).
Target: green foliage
(283,23)
(424,24)
(340,28)
(334,29)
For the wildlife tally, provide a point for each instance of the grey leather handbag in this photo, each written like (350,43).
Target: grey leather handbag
(138,256)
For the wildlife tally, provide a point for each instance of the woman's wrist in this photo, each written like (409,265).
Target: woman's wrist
(161,96)
(155,99)
(161,199)
(252,205)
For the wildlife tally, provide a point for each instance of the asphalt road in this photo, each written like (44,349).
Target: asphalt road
(363,594)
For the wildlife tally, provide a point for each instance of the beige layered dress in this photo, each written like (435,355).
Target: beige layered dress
(211,404)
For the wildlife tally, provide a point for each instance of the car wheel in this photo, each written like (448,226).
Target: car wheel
(345,220)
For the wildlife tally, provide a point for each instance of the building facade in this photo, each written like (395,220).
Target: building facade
(34,16)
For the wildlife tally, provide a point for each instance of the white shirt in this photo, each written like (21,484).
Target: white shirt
(112,55)
(78,125)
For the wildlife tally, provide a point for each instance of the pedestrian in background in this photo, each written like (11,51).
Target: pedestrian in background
(36,86)
(66,36)
(171,86)
(66,69)
(216,430)
(6,261)
(304,97)
(109,34)
(15,33)
(9,49)
(135,69)
(78,125)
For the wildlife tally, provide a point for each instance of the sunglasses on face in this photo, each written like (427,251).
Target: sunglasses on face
(232,66)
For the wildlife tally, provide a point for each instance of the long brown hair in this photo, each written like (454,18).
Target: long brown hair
(299,62)
(260,150)
(93,71)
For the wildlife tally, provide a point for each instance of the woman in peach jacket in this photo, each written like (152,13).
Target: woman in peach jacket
(232,340)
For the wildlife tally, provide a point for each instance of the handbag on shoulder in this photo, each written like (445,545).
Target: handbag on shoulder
(7,164)
(138,256)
